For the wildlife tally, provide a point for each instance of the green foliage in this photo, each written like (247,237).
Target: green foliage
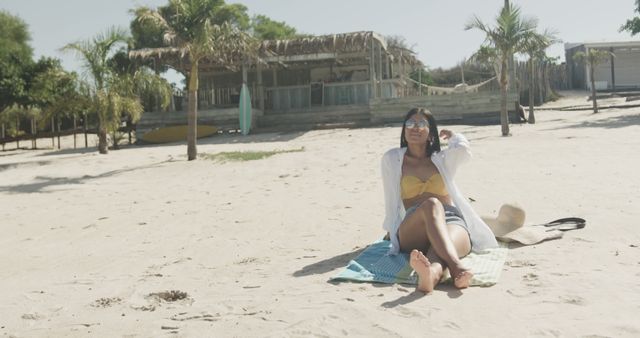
(235,14)
(504,39)
(265,28)
(246,155)
(535,44)
(145,34)
(200,27)
(109,94)
(54,90)
(593,57)
(632,25)
(193,27)
(15,59)
(421,76)
(15,37)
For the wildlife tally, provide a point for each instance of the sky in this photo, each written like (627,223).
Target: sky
(434,29)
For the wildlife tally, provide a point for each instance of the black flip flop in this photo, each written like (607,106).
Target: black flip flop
(565,224)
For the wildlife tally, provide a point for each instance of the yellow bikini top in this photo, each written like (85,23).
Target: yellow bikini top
(411,186)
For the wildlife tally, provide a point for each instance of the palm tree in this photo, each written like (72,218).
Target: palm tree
(593,57)
(141,81)
(535,45)
(506,38)
(189,29)
(110,96)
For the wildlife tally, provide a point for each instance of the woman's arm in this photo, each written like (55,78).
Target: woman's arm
(389,187)
(458,151)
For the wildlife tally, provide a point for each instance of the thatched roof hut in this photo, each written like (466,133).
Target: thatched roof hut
(344,48)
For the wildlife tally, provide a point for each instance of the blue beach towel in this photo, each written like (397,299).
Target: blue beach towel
(374,265)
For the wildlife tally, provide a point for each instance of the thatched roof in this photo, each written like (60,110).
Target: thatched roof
(333,43)
(355,44)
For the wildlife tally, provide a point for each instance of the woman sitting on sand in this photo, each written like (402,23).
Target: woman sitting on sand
(439,226)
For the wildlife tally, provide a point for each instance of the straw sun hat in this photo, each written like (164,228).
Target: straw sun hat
(509,226)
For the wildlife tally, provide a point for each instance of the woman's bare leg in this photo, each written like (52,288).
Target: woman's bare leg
(447,242)
(429,273)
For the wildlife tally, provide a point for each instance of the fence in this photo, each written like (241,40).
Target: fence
(547,78)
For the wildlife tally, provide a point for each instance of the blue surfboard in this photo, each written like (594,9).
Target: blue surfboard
(245,110)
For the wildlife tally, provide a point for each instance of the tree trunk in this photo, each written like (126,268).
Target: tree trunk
(34,133)
(192,114)
(2,137)
(593,89)
(53,132)
(115,140)
(504,114)
(532,118)
(103,147)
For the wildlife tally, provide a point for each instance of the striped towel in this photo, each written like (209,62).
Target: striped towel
(374,265)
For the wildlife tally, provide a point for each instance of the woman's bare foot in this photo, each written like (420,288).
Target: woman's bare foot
(428,275)
(462,279)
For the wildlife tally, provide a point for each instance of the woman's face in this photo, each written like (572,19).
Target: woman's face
(416,129)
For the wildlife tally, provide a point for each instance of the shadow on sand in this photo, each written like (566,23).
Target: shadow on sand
(608,123)
(328,264)
(46,181)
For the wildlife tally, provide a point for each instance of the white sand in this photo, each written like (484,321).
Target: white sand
(86,237)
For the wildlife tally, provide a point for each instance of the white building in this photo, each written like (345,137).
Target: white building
(617,73)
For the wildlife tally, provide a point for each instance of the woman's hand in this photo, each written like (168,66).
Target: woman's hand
(446,134)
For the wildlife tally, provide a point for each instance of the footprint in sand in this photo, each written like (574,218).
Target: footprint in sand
(531,279)
(169,296)
(519,263)
(106,302)
(575,300)
(184,316)
(32,316)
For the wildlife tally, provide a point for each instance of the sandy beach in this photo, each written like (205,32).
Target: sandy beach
(142,243)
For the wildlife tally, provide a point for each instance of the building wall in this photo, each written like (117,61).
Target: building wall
(626,70)
(576,70)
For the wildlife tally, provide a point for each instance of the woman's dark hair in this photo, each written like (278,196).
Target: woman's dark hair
(433,142)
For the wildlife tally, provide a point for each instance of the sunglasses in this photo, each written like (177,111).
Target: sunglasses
(422,124)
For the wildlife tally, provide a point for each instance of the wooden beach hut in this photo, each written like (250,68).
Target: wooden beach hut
(348,79)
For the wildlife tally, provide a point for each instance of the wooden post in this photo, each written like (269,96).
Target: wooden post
(213,91)
(74,131)
(539,82)
(401,66)
(420,81)
(372,71)
(58,123)
(2,137)
(613,73)
(260,87)
(17,132)
(379,70)
(34,132)
(254,96)
(244,73)
(53,135)
(275,77)
(85,127)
